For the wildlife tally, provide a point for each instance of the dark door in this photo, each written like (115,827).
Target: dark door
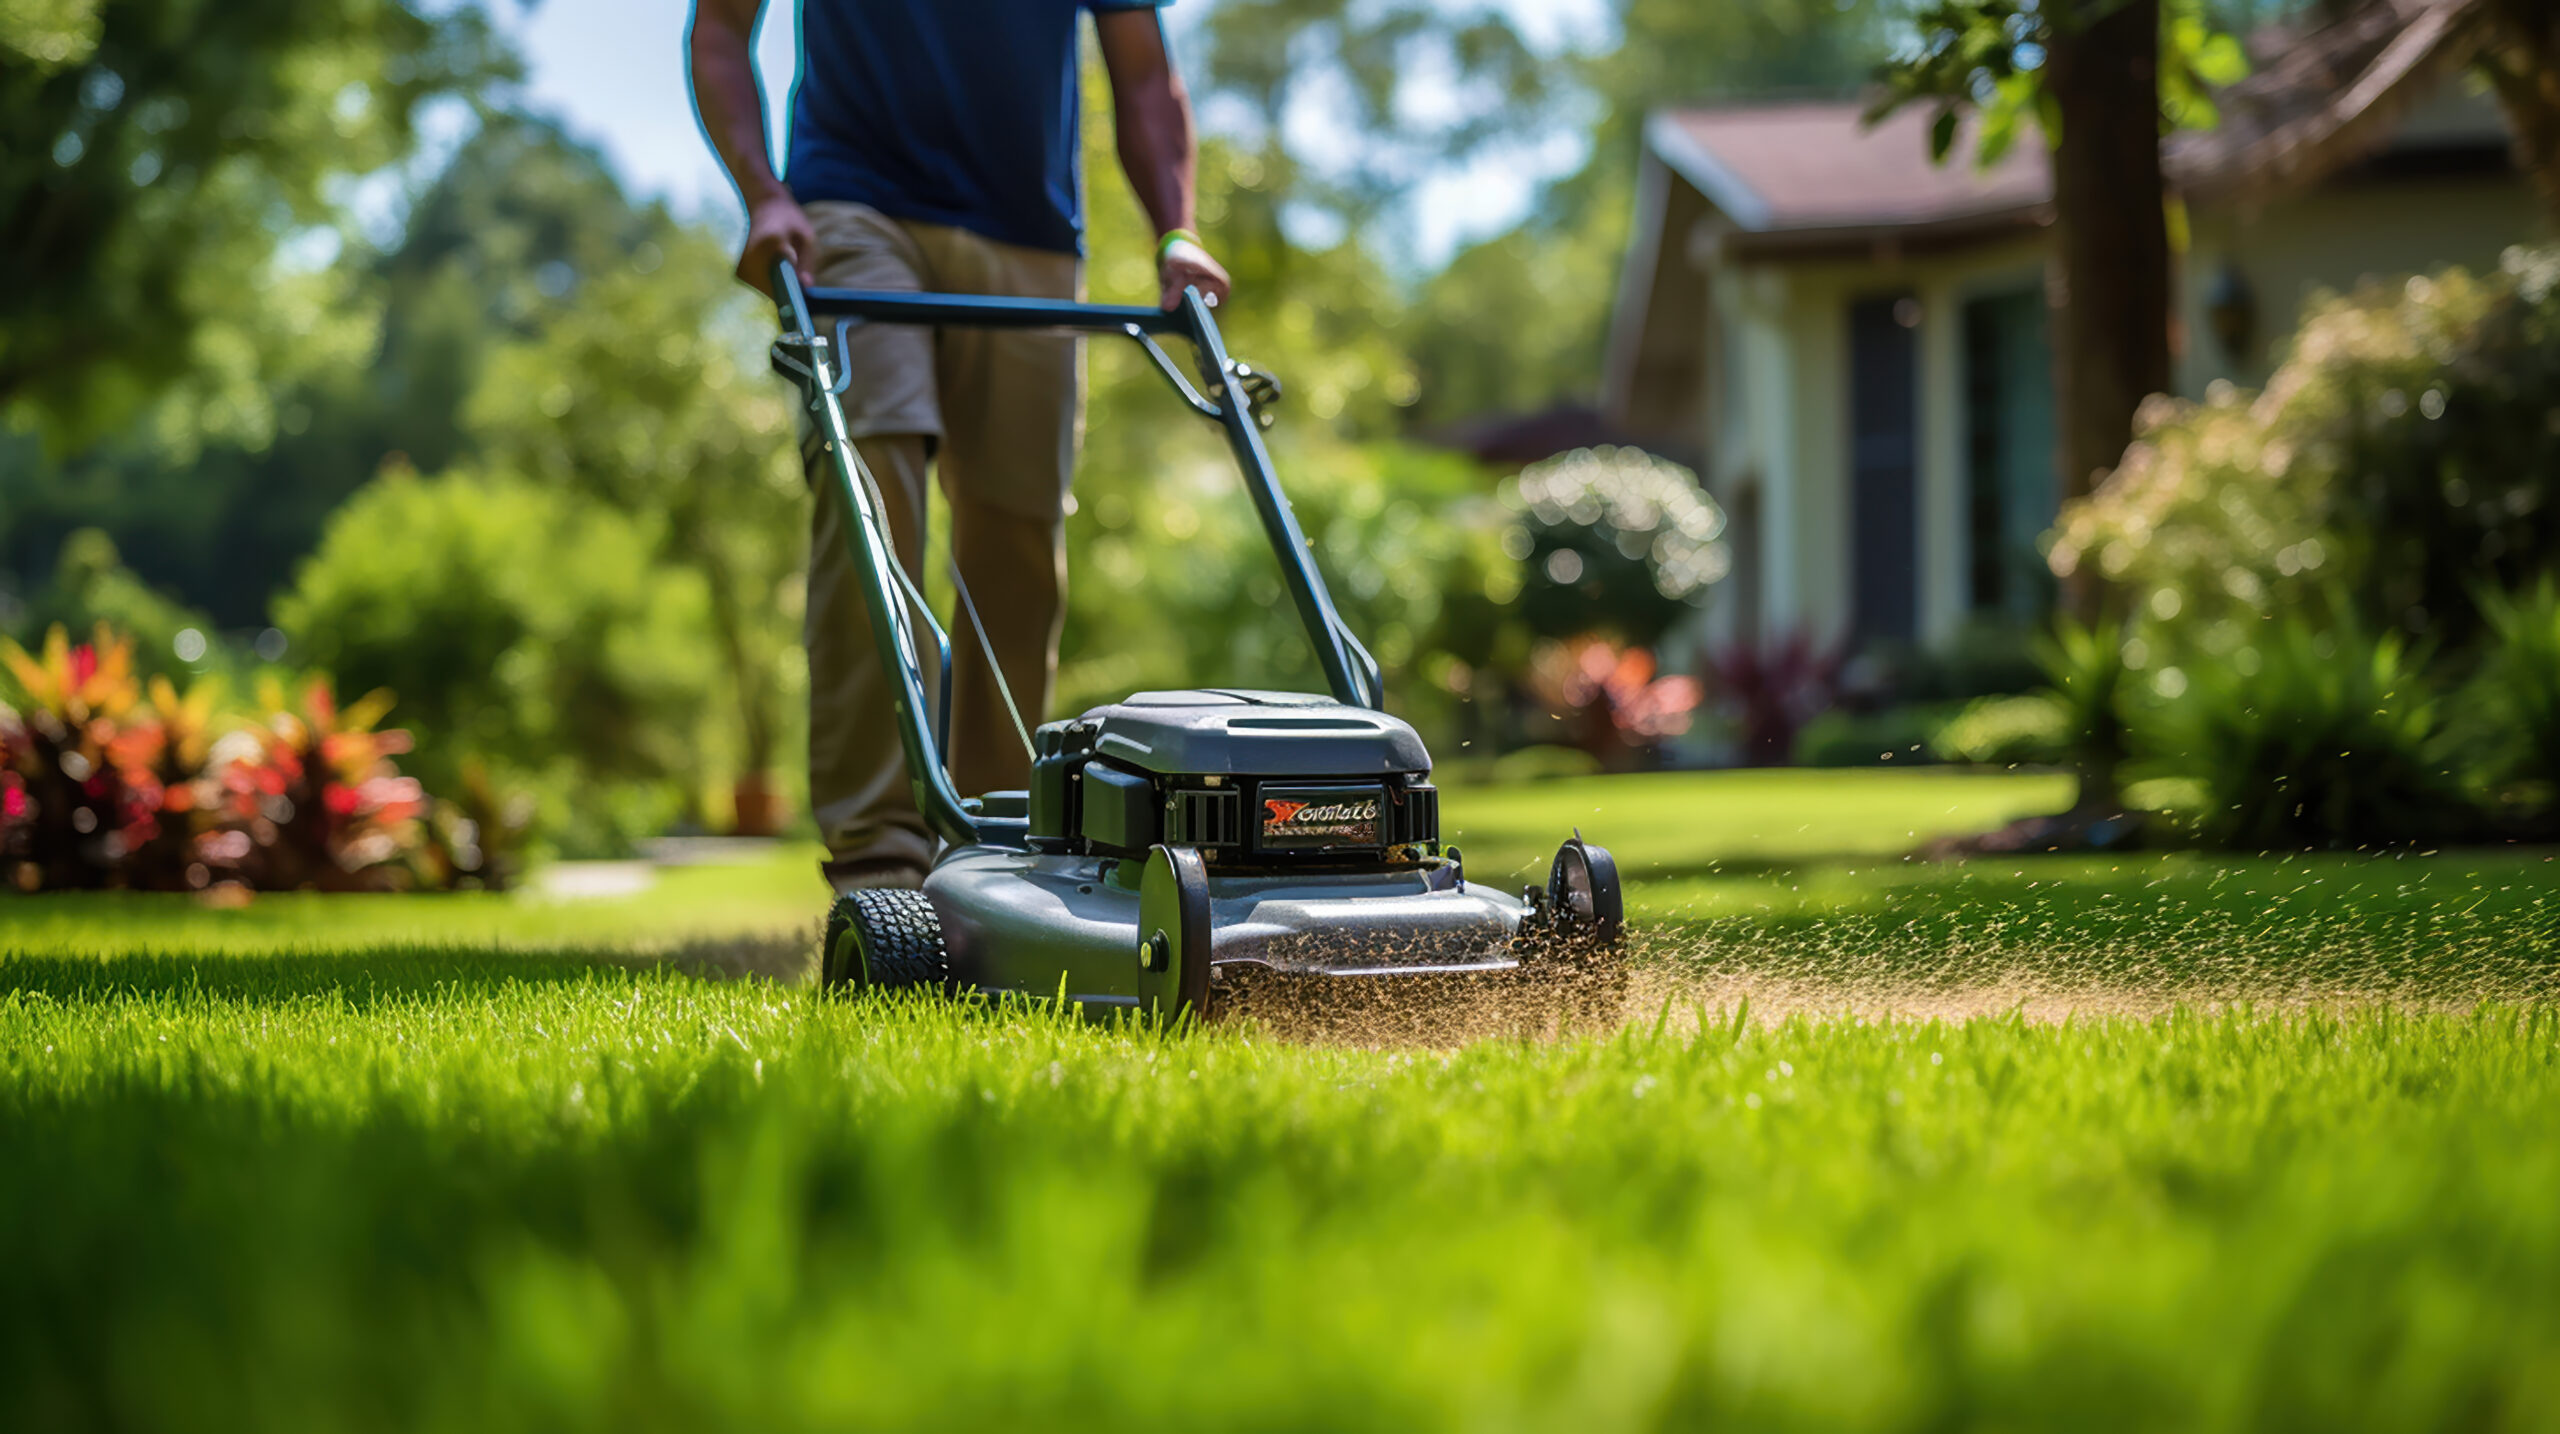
(1884,500)
(2009,399)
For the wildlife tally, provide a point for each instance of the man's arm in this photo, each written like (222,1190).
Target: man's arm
(721,44)
(1152,112)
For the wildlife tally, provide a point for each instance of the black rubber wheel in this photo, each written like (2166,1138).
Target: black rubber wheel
(1588,960)
(1174,934)
(1583,890)
(888,940)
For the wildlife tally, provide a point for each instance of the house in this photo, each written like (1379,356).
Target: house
(1853,339)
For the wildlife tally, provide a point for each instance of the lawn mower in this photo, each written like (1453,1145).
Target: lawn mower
(1182,850)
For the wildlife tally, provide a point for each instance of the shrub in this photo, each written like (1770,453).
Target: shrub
(184,771)
(2516,695)
(1613,540)
(1883,736)
(2007,731)
(321,802)
(104,785)
(80,794)
(1174,584)
(2319,736)
(2402,451)
(1609,700)
(2089,674)
(531,628)
(1770,689)
(690,429)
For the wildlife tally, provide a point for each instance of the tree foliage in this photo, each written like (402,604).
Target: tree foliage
(1267,57)
(1515,321)
(645,393)
(1988,57)
(2100,78)
(372,357)
(153,156)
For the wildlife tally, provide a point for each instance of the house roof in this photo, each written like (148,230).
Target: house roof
(2321,98)
(1812,166)
(2316,100)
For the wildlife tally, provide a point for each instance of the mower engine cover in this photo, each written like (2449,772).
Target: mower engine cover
(1245,776)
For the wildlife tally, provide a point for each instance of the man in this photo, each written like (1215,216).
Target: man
(934,146)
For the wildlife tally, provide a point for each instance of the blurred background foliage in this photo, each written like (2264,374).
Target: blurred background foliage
(2338,592)
(163,152)
(503,445)
(513,456)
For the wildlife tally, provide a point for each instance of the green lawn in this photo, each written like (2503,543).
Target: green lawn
(1688,823)
(2238,1144)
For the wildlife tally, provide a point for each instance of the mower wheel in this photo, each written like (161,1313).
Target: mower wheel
(888,940)
(1588,961)
(1174,932)
(1583,891)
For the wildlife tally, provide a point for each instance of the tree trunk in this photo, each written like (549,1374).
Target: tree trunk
(2110,288)
(2521,56)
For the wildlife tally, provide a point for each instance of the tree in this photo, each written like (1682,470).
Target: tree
(153,156)
(2096,78)
(644,391)
(1263,56)
(1516,321)
(369,360)
(2520,54)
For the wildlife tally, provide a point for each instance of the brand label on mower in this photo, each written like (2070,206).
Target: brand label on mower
(1312,818)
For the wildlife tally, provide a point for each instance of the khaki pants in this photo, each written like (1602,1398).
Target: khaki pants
(999,414)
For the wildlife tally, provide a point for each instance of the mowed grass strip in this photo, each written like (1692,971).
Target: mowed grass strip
(629,1199)
(1689,823)
(2138,931)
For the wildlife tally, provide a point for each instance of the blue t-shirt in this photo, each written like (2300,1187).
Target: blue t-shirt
(959,112)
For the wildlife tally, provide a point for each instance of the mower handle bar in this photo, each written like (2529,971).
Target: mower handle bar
(1229,394)
(989,311)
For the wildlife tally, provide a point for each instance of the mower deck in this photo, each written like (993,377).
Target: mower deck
(1014,920)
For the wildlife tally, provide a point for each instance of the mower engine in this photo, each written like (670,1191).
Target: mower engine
(1278,780)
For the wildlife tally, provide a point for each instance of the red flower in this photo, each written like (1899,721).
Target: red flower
(341,800)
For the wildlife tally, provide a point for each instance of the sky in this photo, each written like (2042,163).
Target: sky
(613,71)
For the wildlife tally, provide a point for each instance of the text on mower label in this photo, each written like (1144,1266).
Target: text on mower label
(1302,819)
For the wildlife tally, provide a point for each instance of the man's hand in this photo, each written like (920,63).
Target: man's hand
(778,229)
(1185,265)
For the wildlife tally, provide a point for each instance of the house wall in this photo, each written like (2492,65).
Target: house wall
(1781,425)
(2332,238)
(1783,381)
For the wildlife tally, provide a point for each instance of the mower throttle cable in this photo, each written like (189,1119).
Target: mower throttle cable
(987,645)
